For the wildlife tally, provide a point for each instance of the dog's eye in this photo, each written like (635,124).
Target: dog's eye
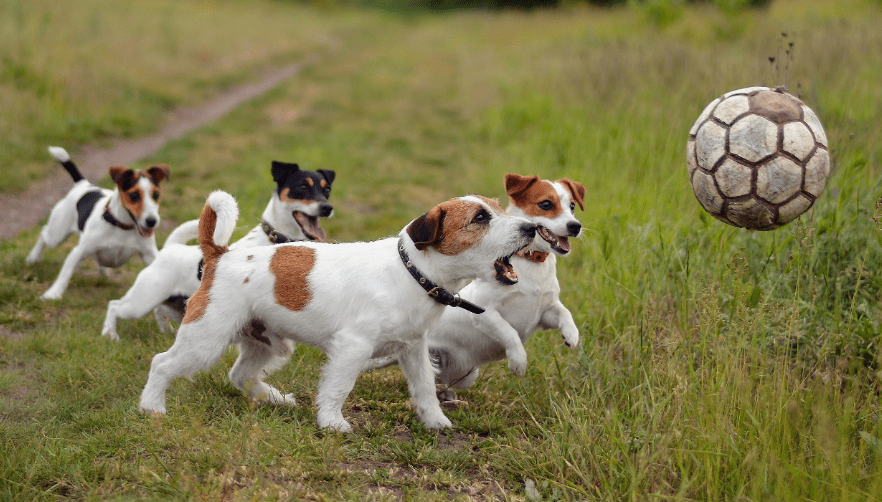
(155,195)
(572,207)
(545,205)
(135,197)
(327,191)
(481,217)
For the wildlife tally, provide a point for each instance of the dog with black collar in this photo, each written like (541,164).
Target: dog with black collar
(113,225)
(354,301)
(292,214)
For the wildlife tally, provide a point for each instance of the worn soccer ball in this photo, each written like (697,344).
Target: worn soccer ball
(757,158)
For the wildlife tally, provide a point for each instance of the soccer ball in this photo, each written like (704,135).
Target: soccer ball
(757,158)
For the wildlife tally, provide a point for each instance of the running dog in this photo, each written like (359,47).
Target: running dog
(300,198)
(460,342)
(354,301)
(113,224)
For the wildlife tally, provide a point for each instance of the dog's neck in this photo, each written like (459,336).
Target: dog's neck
(444,273)
(118,211)
(281,220)
(436,292)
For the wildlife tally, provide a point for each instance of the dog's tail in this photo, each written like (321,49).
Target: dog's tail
(216,224)
(62,156)
(185,232)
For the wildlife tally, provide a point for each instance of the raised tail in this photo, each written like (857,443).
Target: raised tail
(184,233)
(62,156)
(216,224)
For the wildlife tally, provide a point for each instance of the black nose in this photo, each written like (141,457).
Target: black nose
(325,209)
(529,230)
(574,228)
(151,222)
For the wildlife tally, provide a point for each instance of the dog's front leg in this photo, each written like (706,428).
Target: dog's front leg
(559,317)
(497,328)
(338,378)
(417,367)
(70,265)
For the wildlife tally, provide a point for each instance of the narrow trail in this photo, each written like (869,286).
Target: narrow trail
(24,210)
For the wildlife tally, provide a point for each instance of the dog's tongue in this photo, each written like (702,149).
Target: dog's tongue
(310,226)
(505,273)
(556,241)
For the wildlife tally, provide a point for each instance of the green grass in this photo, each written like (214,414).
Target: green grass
(716,363)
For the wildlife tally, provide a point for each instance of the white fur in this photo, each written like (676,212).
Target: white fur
(174,271)
(109,245)
(363,304)
(462,342)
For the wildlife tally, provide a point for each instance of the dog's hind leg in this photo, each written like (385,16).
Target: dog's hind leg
(417,367)
(338,378)
(197,347)
(59,226)
(260,353)
(147,293)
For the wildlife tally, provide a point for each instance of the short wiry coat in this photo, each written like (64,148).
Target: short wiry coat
(354,301)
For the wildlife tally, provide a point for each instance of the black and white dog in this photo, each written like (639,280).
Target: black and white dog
(300,198)
(113,224)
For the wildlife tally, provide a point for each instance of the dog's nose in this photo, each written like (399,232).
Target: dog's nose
(150,222)
(529,230)
(574,228)
(325,209)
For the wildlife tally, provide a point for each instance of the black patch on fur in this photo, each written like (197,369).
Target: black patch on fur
(199,270)
(293,178)
(85,206)
(178,303)
(72,170)
(255,330)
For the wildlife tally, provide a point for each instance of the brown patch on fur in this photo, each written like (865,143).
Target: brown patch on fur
(458,232)
(283,196)
(291,266)
(527,192)
(577,191)
(211,253)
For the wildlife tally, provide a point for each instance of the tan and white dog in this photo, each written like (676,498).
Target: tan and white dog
(354,301)
(461,342)
(113,224)
(292,214)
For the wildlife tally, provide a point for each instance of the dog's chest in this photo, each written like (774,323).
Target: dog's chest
(114,256)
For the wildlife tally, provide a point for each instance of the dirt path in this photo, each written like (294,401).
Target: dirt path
(24,210)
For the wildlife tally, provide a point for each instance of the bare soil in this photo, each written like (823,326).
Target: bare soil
(24,210)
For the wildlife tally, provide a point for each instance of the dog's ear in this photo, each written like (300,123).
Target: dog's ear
(158,173)
(575,188)
(328,174)
(281,171)
(425,231)
(515,184)
(124,177)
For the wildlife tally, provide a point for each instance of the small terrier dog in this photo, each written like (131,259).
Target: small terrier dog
(113,225)
(461,342)
(293,212)
(354,301)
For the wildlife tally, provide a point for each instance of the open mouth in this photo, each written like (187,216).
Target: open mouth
(310,226)
(560,244)
(505,273)
(144,231)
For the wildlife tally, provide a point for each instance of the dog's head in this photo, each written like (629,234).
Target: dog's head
(551,205)
(139,194)
(303,195)
(473,236)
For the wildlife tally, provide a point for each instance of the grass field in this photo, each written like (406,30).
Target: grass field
(716,363)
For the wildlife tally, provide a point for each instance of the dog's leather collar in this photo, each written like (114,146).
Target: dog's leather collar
(110,218)
(534,256)
(437,293)
(274,235)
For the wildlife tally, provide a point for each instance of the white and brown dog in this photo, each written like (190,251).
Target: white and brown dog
(461,342)
(113,224)
(354,301)
(293,212)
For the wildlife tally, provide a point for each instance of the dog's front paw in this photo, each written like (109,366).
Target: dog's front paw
(110,334)
(571,337)
(338,425)
(52,294)
(152,410)
(438,422)
(517,362)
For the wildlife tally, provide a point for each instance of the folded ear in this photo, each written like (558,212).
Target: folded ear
(425,231)
(516,184)
(575,188)
(158,173)
(281,171)
(328,174)
(124,177)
